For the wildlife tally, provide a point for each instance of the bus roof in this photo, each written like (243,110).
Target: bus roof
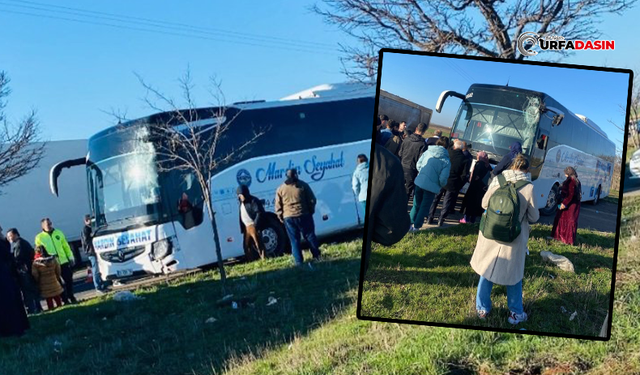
(316,94)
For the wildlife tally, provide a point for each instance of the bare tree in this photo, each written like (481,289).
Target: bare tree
(473,27)
(20,151)
(185,143)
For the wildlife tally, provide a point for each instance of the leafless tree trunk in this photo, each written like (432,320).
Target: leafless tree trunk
(474,27)
(188,145)
(18,150)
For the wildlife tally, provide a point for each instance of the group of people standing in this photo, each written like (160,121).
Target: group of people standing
(440,169)
(435,169)
(28,274)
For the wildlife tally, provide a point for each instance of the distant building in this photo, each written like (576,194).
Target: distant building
(401,109)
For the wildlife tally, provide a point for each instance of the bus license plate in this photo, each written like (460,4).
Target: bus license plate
(123,273)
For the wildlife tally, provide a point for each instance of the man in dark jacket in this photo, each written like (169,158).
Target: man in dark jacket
(295,206)
(459,171)
(23,254)
(387,220)
(251,216)
(86,238)
(410,151)
(395,141)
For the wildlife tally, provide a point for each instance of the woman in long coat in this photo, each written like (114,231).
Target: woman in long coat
(13,317)
(502,263)
(565,225)
(472,201)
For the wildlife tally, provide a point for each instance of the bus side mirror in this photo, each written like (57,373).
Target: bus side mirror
(444,95)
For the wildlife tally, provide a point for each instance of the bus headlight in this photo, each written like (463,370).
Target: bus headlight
(161,249)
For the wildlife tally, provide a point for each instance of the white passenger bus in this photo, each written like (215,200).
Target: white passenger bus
(491,118)
(138,226)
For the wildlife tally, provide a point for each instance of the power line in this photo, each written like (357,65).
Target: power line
(165,24)
(182,33)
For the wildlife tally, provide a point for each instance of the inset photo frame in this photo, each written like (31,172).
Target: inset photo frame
(494,194)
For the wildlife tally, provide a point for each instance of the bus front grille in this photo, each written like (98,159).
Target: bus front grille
(122,255)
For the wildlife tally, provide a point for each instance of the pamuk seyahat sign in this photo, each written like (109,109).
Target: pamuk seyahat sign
(314,167)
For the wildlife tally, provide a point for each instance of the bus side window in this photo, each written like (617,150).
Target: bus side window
(542,141)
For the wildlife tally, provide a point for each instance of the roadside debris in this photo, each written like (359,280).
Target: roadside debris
(126,296)
(234,305)
(561,261)
(211,320)
(57,346)
(573,316)
(271,301)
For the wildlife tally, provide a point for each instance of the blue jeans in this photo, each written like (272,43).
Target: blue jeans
(363,210)
(514,296)
(301,225)
(97,282)
(422,200)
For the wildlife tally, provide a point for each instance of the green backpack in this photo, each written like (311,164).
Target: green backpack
(500,221)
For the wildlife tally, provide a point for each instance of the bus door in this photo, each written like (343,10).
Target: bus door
(538,152)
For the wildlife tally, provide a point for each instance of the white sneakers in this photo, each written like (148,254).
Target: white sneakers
(517,318)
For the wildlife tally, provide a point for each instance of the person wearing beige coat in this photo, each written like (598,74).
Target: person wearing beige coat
(500,262)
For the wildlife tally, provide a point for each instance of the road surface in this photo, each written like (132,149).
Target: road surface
(602,218)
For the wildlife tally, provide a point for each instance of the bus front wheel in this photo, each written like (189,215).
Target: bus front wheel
(274,237)
(552,202)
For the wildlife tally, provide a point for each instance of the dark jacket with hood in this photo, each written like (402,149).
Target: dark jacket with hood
(410,150)
(388,220)
(254,208)
(514,150)
(459,170)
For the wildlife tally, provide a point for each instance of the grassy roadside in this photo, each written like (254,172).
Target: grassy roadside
(426,277)
(167,333)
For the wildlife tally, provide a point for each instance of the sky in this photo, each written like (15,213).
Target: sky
(597,95)
(74,61)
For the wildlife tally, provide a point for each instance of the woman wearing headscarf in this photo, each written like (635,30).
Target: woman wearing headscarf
(514,150)
(565,225)
(472,201)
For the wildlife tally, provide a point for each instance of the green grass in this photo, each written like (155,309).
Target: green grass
(312,330)
(427,277)
(166,332)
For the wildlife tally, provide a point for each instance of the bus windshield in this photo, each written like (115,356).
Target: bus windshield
(124,181)
(492,120)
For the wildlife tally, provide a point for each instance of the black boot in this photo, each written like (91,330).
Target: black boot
(430,220)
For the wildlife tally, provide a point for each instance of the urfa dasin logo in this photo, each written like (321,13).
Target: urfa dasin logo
(529,39)
(243,177)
